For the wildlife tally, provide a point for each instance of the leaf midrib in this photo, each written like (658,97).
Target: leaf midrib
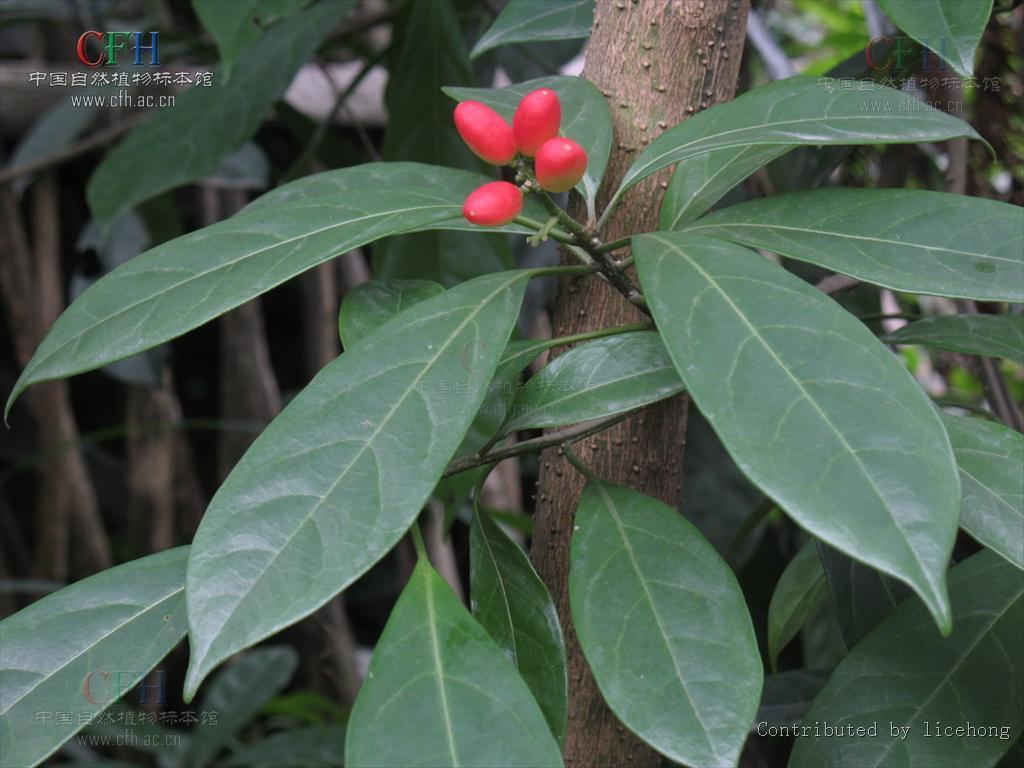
(681,148)
(589,393)
(436,650)
(488,40)
(959,662)
(806,395)
(501,585)
(91,646)
(428,365)
(225,265)
(628,547)
(847,236)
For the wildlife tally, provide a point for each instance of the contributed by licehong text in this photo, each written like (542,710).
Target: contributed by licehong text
(888,730)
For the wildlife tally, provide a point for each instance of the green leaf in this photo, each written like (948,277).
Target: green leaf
(813,409)
(335,480)
(991,460)
(987,335)
(905,675)
(103,634)
(861,595)
(951,28)
(597,379)
(662,622)
(585,120)
(178,145)
(236,694)
(439,692)
(371,304)
(798,110)
(907,240)
(190,280)
(310,747)
(532,21)
(236,24)
(421,128)
(801,591)
(704,180)
(514,606)
(51,132)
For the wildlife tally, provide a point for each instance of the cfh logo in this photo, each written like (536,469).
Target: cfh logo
(102,687)
(96,49)
(895,54)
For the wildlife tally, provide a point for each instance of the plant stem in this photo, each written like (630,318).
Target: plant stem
(577,432)
(614,245)
(563,269)
(554,233)
(612,330)
(417,542)
(589,243)
(577,462)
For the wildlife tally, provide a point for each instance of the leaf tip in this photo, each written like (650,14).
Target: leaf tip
(19,386)
(193,677)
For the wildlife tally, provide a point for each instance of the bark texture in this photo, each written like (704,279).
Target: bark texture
(657,62)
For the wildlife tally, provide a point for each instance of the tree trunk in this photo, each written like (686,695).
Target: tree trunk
(657,62)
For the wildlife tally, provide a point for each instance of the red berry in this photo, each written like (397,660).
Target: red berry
(536,120)
(560,164)
(493,204)
(485,132)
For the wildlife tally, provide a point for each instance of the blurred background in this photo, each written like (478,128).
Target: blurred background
(121,462)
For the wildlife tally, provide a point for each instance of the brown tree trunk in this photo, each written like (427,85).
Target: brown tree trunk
(657,62)
(32,290)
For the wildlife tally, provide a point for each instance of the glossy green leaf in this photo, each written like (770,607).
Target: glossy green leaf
(596,379)
(335,480)
(987,335)
(371,304)
(662,622)
(235,24)
(861,596)
(813,409)
(787,696)
(79,649)
(237,694)
(190,280)
(905,675)
(585,119)
(951,28)
(430,54)
(907,240)
(315,746)
(513,605)
(439,692)
(801,591)
(991,460)
(798,110)
(208,123)
(702,181)
(396,177)
(536,21)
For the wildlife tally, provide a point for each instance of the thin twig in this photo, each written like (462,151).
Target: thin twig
(319,134)
(589,243)
(93,141)
(992,382)
(554,233)
(574,433)
(775,59)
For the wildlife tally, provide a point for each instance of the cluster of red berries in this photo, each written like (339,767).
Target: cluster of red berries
(558,162)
